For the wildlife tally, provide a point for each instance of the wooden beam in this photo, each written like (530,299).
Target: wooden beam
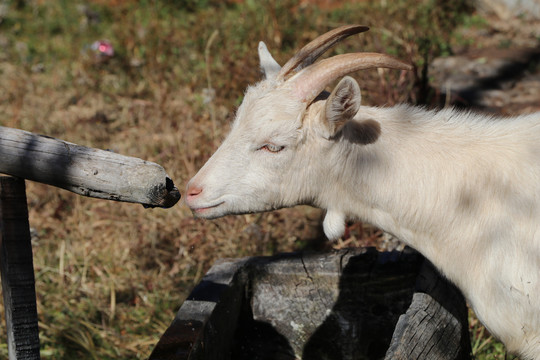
(16,266)
(85,171)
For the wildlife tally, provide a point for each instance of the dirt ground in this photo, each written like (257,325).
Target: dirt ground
(499,74)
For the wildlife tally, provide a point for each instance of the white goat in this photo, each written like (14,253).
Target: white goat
(463,189)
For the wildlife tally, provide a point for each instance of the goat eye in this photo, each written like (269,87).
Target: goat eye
(272,148)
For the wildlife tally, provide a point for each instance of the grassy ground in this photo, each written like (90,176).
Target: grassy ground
(110,276)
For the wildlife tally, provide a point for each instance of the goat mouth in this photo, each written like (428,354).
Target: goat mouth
(202,210)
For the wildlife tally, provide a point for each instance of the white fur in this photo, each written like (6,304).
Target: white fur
(334,224)
(461,188)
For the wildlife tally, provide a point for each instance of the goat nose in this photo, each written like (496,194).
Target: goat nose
(193,191)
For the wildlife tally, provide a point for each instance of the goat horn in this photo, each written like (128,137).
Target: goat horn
(309,82)
(311,52)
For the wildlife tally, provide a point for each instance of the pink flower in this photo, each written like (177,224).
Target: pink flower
(103,48)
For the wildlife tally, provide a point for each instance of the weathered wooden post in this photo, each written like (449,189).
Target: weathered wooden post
(16,266)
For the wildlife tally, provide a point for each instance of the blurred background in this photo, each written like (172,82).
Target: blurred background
(160,80)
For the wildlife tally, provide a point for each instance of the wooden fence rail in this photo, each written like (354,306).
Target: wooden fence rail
(82,170)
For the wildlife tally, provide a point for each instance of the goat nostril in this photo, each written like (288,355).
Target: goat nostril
(194,191)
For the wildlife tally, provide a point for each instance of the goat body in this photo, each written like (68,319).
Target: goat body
(461,188)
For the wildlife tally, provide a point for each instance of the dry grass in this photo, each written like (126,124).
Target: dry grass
(110,276)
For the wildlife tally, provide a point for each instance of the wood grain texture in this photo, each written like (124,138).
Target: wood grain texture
(205,326)
(16,266)
(349,304)
(435,327)
(83,170)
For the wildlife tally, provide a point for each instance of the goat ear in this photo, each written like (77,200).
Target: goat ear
(269,66)
(342,105)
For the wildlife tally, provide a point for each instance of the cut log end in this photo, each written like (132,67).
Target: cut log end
(164,196)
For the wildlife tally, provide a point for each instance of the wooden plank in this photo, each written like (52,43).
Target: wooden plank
(85,171)
(435,327)
(205,325)
(16,266)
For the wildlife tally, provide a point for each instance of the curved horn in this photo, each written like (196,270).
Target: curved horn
(311,52)
(312,80)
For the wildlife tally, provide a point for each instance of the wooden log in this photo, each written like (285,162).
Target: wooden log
(16,266)
(341,305)
(205,326)
(85,171)
(435,327)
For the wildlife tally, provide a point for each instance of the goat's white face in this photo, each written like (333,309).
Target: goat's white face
(251,170)
(276,154)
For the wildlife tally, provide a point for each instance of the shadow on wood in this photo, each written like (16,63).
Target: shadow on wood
(85,171)
(350,304)
(17,269)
